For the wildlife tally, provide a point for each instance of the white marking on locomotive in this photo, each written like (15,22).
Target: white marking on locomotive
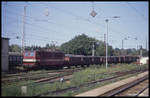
(45,60)
(30,60)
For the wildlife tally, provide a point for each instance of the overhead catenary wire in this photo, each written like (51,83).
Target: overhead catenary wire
(77,16)
(31,36)
(136,11)
(46,21)
(39,25)
(4,27)
(71,13)
(34,38)
(32,25)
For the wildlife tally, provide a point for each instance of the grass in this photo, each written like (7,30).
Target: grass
(81,77)
(84,89)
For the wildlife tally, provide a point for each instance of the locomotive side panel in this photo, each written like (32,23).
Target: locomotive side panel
(48,58)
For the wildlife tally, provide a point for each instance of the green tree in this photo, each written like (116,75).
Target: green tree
(51,46)
(117,52)
(101,50)
(14,48)
(83,45)
(144,52)
(47,46)
(79,45)
(32,48)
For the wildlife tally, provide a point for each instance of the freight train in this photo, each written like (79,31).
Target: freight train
(47,59)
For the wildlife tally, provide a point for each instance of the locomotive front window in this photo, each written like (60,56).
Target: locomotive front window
(26,54)
(32,54)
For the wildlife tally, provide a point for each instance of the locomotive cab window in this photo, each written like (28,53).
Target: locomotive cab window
(32,54)
(26,54)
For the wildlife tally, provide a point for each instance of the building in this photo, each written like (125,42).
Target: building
(4,56)
(144,60)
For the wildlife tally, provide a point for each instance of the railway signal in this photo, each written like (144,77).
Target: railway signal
(46,11)
(93,13)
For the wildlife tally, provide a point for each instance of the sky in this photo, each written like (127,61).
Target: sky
(59,22)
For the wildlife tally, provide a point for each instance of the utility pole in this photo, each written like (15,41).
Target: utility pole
(122,47)
(107,38)
(147,47)
(106,41)
(141,51)
(23,34)
(105,44)
(104,38)
(93,50)
(122,44)
(146,44)
(4,27)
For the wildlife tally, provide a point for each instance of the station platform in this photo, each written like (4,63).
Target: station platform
(106,88)
(145,93)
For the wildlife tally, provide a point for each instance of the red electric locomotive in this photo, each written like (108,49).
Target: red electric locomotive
(43,58)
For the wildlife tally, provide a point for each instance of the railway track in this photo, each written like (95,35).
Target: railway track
(37,76)
(136,90)
(69,77)
(130,89)
(74,88)
(55,79)
(26,74)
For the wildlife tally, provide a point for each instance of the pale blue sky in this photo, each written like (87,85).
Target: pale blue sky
(68,19)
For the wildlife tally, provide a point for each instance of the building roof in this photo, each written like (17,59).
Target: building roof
(3,38)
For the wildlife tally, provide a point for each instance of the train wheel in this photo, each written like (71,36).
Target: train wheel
(69,67)
(76,66)
(82,66)
(60,67)
(88,65)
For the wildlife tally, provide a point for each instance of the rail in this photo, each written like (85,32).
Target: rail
(124,87)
